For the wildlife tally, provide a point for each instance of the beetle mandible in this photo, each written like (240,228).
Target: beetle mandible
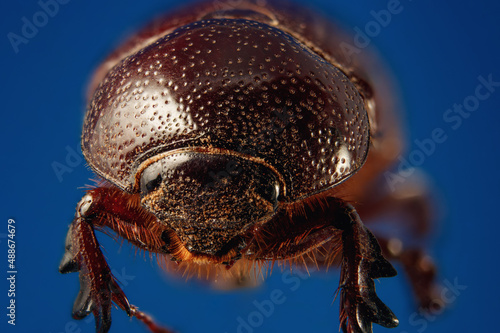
(243,132)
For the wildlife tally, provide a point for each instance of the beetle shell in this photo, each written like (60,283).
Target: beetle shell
(225,130)
(233,84)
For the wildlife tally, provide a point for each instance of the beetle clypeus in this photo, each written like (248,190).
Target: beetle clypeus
(238,132)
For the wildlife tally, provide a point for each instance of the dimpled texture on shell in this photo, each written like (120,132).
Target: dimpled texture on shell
(233,84)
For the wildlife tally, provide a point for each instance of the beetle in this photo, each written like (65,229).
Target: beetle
(231,134)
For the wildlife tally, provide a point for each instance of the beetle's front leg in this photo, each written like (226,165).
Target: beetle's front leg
(296,232)
(362,262)
(409,208)
(98,287)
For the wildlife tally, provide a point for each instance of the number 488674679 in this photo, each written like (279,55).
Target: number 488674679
(11,252)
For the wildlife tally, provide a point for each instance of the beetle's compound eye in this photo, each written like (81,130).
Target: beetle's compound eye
(84,204)
(151,178)
(270,192)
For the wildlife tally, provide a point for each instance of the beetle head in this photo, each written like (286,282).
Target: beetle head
(208,196)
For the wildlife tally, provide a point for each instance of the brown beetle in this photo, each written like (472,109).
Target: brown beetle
(242,132)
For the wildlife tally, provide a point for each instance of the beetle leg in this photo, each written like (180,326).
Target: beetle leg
(296,235)
(411,205)
(362,262)
(420,269)
(98,287)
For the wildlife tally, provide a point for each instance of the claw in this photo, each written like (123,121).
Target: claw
(380,267)
(371,306)
(102,312)
(98,287)
(83,304)
(98,301)
(362,263)
(360,304)
(69,264)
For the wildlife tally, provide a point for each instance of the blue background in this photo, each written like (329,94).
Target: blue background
(437,50)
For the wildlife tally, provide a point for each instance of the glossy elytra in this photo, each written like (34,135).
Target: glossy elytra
(231,134)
